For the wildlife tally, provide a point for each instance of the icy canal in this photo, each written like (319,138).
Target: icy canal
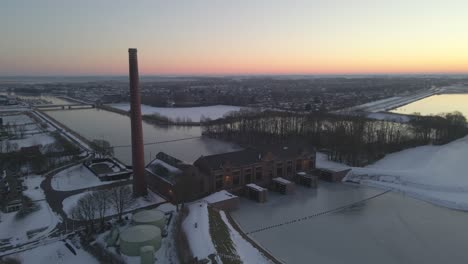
(386,228)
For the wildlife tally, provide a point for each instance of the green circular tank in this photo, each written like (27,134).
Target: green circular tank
(150,217)
(147,255)
(134,238)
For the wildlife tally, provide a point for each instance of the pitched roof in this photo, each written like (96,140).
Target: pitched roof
(251,155)
(236,159)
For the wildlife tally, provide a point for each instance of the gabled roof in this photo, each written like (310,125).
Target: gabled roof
(166,167)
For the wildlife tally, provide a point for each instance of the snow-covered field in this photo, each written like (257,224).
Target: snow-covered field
(192,113)
(53,253)
(33,140)
(32,134)
(74,178)
(437,174)
(43,221)
(33,184)
(197,229)
(18,119)
(70,202)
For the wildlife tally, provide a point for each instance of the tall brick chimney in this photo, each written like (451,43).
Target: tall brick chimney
(138,158)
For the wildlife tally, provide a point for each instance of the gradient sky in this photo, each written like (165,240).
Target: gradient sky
(91,37)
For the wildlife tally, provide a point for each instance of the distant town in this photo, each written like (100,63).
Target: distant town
(288,93)
(249,142)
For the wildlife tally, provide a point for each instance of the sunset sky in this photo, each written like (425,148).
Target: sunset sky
(91,37)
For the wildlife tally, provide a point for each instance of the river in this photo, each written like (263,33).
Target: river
(436,104)
(115,128)
(390,229)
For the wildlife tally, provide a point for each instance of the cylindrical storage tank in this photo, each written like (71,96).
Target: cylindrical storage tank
(136,237)
(150,217)
(147,255)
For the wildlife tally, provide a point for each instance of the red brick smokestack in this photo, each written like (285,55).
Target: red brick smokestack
(138,158)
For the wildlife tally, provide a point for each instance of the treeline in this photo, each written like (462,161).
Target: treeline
(354,140)
(164,120)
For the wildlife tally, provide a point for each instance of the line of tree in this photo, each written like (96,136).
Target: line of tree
(102,147)
(96,205)
(352,139)
(12,131)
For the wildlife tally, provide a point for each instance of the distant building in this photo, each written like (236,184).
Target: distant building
(331,175)
(165,173)
(229,171)
(31,151)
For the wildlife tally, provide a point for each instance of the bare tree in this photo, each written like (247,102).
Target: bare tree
(86,210)
(7,146)
(102,199)
(121,197)
(22,130)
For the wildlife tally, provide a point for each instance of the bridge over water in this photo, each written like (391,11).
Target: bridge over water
(64,106)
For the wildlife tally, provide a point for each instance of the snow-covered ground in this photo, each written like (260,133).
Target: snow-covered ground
(218,197)
(70,202)
(437,174)
(32,134)
(43,221)
(33,140)
(197,229)
(53,253)
(33,185)
(193,113)
(18,119)
(244,249)
(74,178)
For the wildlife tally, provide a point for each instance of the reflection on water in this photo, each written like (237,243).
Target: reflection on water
(436,104)
(115,128)
(391,228)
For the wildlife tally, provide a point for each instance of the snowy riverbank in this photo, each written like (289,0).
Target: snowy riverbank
(437,174)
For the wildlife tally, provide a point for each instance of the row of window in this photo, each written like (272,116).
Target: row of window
(234,178)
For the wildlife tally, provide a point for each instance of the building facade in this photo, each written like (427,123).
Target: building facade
(232,171)
(228,171)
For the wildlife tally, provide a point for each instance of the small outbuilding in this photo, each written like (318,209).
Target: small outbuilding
(257,193)
(282,185)
(307,179)
(150,217)
(223,200)
(134,238)
(331,174)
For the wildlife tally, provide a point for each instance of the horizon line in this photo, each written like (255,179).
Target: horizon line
(234,75)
